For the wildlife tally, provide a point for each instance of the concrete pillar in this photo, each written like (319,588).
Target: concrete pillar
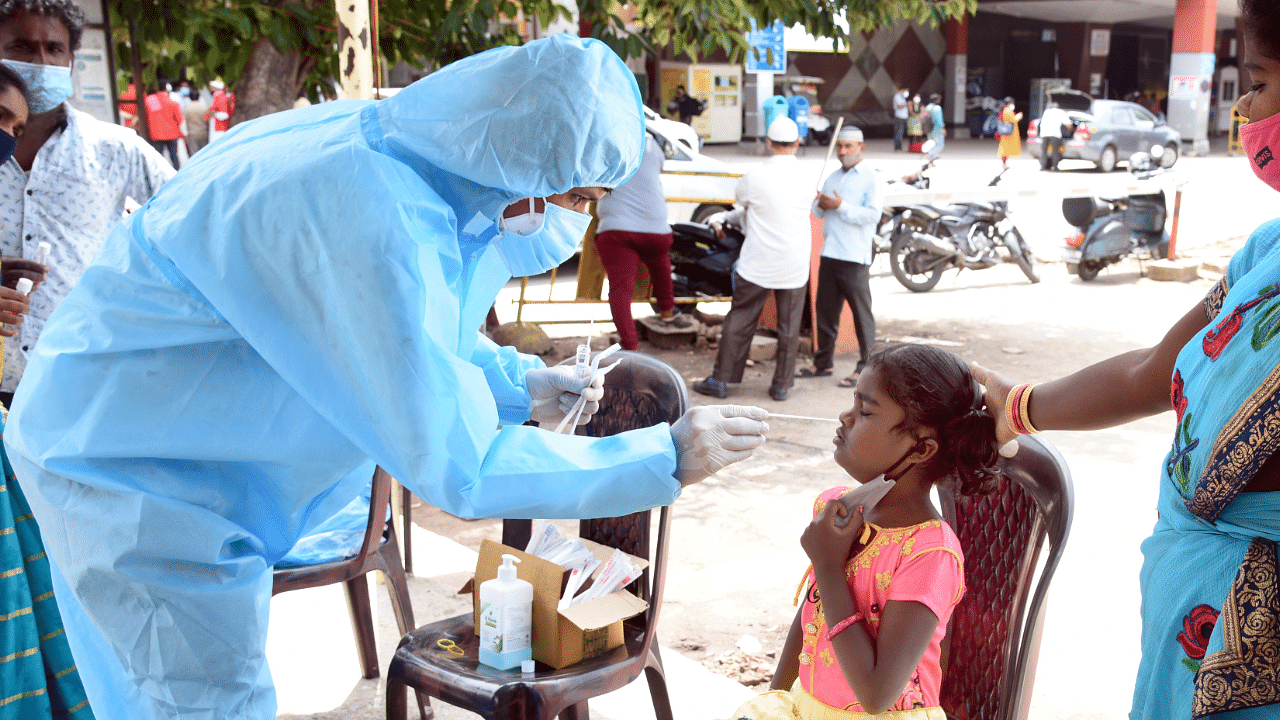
(1083,49)
(955,75)
(1191,71)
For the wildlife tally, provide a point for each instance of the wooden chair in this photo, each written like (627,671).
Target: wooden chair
(378,552)
(994,636)
(642,391)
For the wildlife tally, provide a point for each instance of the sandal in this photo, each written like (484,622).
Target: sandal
(808,372)
(850,382)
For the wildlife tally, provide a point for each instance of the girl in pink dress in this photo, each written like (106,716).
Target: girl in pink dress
(876,600)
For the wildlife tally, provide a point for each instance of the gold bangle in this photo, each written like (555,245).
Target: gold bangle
(1024,411)
(1011,408)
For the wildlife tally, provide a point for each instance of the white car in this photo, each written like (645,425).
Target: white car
(672,129)
(694,184)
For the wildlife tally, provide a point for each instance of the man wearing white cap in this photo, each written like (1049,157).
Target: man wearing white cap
(849,206)
(772,208)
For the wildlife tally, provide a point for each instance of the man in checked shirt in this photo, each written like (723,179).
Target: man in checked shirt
(67,181)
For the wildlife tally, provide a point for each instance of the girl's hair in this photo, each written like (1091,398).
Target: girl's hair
(11,79)
(1261,19)
(936,390)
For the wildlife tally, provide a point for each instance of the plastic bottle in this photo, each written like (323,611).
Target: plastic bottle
(506,618)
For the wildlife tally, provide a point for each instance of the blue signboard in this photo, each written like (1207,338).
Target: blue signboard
(766,41)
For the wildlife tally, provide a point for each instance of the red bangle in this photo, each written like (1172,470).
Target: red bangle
(843,625)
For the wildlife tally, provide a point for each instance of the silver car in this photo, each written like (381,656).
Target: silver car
(1108,131)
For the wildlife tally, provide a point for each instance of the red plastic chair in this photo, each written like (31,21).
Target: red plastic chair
(378,552)
(994,635)
(640,392)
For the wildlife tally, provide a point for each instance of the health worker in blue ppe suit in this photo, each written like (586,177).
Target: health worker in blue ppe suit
(300,302)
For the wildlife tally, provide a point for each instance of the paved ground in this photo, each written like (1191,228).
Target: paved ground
(736,556)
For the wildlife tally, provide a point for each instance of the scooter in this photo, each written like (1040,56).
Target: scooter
(965,235)
(1113,228)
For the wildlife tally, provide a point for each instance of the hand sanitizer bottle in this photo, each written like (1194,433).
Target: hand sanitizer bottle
(506,618)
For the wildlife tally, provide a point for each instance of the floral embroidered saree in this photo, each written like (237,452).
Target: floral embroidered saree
(1210,577)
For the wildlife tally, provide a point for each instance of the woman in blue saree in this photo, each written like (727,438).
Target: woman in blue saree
(1210,577)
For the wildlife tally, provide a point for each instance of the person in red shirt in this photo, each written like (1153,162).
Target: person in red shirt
(129,108)
(164,123)
(220,110)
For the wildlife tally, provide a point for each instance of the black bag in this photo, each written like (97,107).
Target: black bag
(1004,128)
(1068,130)
(691,106)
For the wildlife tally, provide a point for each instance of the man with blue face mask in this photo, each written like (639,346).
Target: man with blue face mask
(274,322)
(70,173)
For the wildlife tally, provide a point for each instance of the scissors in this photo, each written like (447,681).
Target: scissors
(450,647)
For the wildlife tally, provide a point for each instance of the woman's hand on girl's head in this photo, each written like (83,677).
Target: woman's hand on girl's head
(827,544)
(13,305)
(996,391)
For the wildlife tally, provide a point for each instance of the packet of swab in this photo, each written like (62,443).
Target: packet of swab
(577,577)
(618,572)
(867,496)
(571,554)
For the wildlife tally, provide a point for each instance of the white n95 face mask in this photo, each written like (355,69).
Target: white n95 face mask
(552,239)
(47,85)
(525,224)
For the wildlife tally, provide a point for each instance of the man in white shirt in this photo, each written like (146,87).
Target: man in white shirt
(772,207)
(67,181)
(900,117)
(1050,131)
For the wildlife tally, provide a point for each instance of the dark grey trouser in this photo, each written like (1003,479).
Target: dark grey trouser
(841,281)
(740,326)
(899,131)
(1052,153)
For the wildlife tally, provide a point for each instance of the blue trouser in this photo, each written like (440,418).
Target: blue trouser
(899,131)
(939,142)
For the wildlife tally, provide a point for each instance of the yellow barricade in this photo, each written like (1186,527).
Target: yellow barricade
(1233,139)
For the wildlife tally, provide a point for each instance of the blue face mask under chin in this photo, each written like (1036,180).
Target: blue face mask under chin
(48,86)
(546,247)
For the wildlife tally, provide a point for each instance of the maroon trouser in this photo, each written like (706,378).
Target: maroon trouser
(621,253)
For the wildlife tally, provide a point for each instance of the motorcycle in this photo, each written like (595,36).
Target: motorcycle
(892,216)
(701,263)
(965,235)
(1112,228)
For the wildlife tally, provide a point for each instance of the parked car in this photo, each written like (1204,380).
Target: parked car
(708,188)
(674,130)
(1108,131)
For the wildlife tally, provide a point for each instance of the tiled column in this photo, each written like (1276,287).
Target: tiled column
(1191,71)
(955,72)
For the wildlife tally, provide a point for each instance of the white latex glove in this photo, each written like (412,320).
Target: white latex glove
(553,392)
(710,437)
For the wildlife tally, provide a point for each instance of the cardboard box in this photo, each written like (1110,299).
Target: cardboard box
(562,638)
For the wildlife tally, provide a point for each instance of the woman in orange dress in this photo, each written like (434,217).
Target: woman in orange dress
(1011,141)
